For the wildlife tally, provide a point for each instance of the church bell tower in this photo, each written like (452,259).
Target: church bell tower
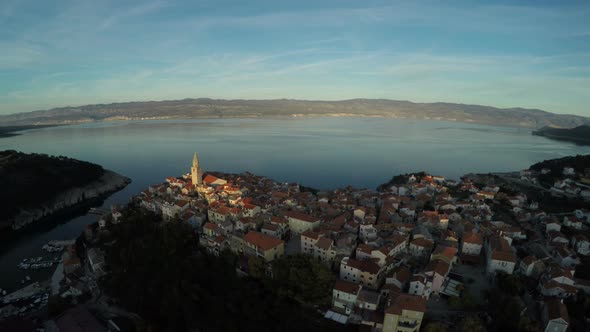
(196,172)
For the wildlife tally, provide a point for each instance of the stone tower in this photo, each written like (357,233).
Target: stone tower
(196,172)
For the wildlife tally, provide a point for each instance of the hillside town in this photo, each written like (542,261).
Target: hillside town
(420,246)
(398,252)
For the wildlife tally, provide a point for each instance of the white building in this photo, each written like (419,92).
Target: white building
(301,222)
(344,296)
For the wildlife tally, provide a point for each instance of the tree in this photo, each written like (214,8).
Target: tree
(510,283)
(435,327)
(156,272)
(304,279)
(471,324)
(528,325)
(256,267)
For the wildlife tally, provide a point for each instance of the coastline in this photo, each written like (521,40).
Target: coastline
(107,184)
(293,116)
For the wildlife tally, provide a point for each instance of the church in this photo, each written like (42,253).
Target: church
(196,172)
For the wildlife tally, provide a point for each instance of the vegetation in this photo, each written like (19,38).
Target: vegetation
(22,174)
(580,134)
(157,272)
(463,302)
(579,163)
(303,278)
(471,324)
(506,307)
(400,180)
(434,327)
(510,284)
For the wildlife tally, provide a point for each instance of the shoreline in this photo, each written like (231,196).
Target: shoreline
(284,117)
(70,201)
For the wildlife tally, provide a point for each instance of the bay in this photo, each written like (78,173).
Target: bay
(323,153)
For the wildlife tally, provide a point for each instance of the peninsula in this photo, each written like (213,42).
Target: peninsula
(578,135)
(35,186)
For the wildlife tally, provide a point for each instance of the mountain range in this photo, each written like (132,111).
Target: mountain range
(219,108)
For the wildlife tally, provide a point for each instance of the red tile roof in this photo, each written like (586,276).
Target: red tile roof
(347,287)
(262,241)
(556,309)
(406,302)
(300,216)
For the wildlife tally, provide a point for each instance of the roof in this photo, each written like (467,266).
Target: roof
(422,242)
(556,309)
(324,243)
(300,216)
(406,302)
(78,319)
(528,260)
(438,266)
(210,226)
(364,248)
(504,256)
(363,265)
(311,234)
(347,287)
(448,252)
(262,241)
(473,238)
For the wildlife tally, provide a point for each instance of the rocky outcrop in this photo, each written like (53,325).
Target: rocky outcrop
(108,183)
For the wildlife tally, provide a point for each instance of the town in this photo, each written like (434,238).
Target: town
(419,252)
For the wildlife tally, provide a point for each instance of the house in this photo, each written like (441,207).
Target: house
(213,181)
(472,244)
(420,285)
(399,276)
(573,222)
(263,246)
(251,210)
(271,230)
(444,253)
(301,222)
(555,316)
(530,266)
(581,244)
(367,232)
(368,299)
(558,283)
(344,295)
(365,272)
(499,255)
(420,247)
(552,226)
(219,214)
(557,238)
(437,271)
(404,314)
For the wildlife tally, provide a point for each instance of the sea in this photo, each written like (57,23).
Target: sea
(323,153)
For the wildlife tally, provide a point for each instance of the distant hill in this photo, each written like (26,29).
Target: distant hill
(579,135)
(215,108)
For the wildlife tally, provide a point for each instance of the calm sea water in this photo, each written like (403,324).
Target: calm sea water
(322,153)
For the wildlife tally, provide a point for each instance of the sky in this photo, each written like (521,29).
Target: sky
(532,54)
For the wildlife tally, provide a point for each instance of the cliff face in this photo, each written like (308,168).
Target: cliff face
(108,183)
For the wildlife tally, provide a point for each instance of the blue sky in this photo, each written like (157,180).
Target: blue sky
(533,54)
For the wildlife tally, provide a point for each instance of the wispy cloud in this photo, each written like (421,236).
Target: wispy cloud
(121,15)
